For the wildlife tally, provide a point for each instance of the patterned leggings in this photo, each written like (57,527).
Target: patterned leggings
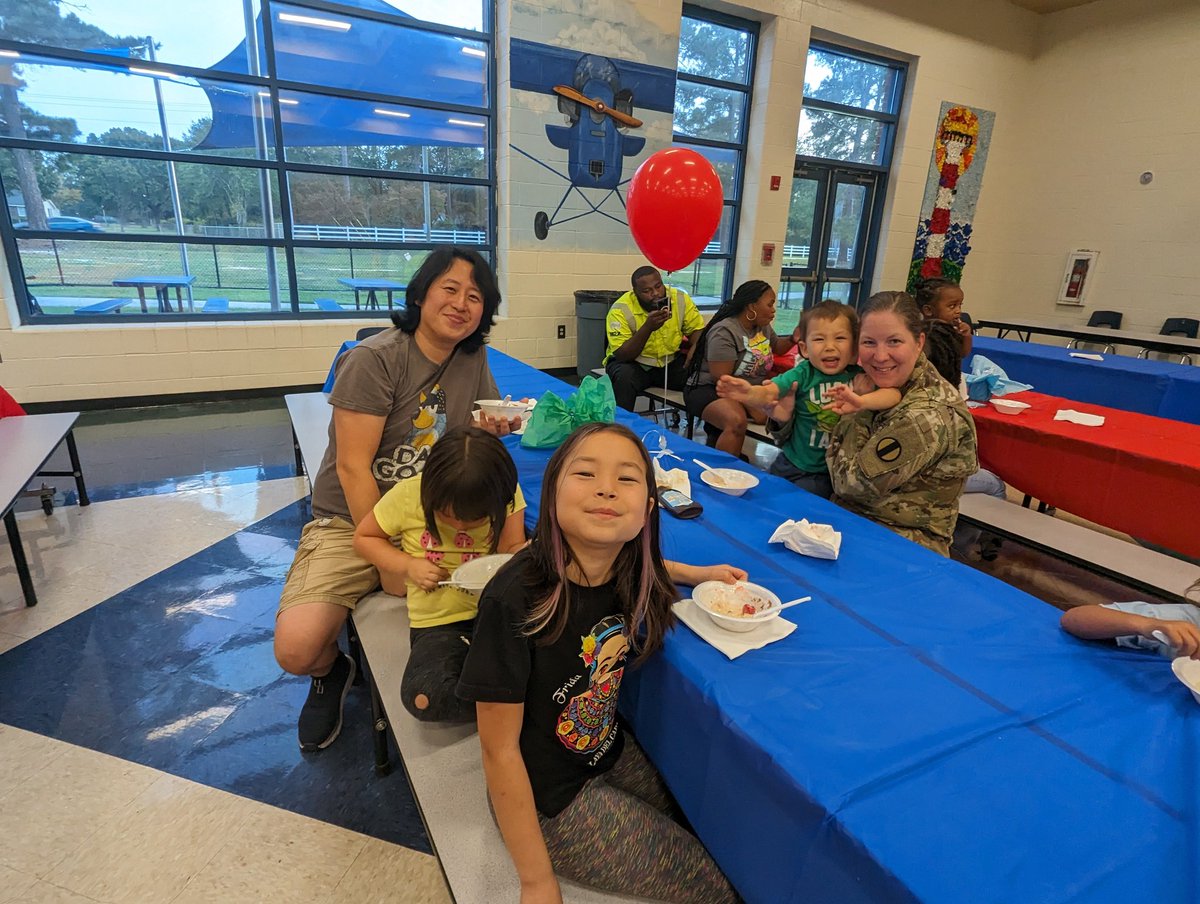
(619,835)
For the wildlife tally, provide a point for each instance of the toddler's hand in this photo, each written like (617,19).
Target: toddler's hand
(426,574)
(843,400)
(727,574)
(1184,637)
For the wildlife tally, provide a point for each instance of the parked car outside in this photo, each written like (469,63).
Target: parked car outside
(64,224)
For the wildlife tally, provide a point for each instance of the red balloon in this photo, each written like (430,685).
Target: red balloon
(674,207)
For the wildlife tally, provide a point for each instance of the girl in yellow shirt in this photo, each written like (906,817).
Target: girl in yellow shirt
(466,503)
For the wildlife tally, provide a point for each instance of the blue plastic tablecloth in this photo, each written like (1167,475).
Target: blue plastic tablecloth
(346,346)
(1160,388)
(927,733)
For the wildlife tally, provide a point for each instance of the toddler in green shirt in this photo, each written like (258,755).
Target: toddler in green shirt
(804,398)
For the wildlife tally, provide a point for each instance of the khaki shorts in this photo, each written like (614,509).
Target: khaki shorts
(326,568)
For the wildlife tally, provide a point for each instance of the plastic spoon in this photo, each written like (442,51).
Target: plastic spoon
(803,599)
(716,475)
(1166,641)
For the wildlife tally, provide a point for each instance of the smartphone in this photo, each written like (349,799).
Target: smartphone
(677,504)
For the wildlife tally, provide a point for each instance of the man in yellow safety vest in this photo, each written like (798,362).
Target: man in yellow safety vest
(646,328)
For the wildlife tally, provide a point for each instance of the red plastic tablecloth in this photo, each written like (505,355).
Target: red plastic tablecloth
(1135,473)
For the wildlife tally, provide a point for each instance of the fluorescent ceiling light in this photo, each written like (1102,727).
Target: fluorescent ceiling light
(467,122)
(289,101)
(398,113)
(335,24)
(148,72)
(11,54)
(475,52)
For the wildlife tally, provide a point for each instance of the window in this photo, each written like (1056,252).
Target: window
(239,158)
(843,150)
(712,106)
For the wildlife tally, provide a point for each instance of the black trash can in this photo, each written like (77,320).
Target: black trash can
(591,308)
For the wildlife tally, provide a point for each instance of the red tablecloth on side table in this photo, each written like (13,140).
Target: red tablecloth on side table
(1136,473)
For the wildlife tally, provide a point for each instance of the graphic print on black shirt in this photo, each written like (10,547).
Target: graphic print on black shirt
(589,718)
(570,731)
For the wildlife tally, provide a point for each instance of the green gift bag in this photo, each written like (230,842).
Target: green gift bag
(555,418)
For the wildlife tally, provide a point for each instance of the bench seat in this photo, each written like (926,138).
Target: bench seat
(107,306)
(445,770)
(443,763)
(216,306)
(1129,563)
(328,304)
(673,398)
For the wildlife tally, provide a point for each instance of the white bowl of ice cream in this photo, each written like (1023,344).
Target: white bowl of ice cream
(736,607)
(728,480)
(1187,670)
(474,575)
(501,408)
(1008,406)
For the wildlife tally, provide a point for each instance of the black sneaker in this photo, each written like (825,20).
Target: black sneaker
(321,717)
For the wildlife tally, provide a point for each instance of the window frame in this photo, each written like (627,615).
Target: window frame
(890,118)
(734,204)
(279,168)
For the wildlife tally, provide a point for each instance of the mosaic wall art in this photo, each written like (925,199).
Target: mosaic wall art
(951,192)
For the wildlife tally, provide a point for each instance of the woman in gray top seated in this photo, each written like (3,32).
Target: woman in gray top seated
(393,395)
(738,341)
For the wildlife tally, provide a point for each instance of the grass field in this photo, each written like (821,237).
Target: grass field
(85,270)
(78,271)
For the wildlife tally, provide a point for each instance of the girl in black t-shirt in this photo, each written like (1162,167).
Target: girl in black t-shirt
(572,791)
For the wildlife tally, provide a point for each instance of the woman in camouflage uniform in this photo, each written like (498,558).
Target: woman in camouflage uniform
(905,467)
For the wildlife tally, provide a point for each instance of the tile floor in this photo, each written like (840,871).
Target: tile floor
(147,737)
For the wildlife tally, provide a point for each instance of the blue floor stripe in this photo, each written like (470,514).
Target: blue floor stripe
(177,673)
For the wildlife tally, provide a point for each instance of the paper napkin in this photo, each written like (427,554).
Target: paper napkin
(820,541)
(731,644)
(1079,417)
(1087,355)
(675,479)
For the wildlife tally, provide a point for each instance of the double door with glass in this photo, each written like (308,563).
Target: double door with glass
(829,226)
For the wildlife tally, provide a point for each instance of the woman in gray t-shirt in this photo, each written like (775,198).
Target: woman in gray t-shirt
(393,395)
(738,341)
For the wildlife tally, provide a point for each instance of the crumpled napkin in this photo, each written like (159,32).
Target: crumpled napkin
(674,479)
(1079,417)
(1087,355)
(820,541)
(731,644)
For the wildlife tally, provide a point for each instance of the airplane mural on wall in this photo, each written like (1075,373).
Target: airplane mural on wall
(598,96)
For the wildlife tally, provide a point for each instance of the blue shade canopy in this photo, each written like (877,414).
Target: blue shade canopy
(339,51)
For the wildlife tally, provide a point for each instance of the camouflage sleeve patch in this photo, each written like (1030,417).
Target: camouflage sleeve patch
(892,456)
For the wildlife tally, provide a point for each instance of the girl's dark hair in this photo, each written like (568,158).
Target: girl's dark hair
(926,290)
(899,303)
(469,473)
(644,589)
(432,268)
(943,348)
(747,293)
